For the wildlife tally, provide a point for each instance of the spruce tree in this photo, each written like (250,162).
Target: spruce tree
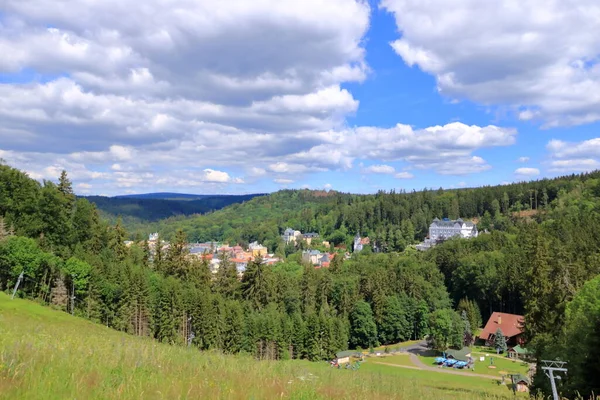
(500,341)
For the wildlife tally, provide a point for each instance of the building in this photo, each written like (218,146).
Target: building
(290,235)
(257,249)
(510,324)
(443,229)
(153,237)
(518,353)
(446,228)
(316,258)
(308,237)
(521,383)
(360,243)
(463,354)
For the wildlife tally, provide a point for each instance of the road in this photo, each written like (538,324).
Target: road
(420,348)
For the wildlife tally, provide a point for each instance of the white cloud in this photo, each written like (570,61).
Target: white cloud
(283,181)
(522,54)
(525,171)
(380,169)
(404,175)
(130,100)
(576,165)
(523,159)
(327,186)
(568,157)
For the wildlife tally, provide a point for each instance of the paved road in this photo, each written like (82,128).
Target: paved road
(420,348)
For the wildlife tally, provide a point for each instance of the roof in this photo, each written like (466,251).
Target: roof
(521,378)
(311,235)
(511,325)
(461,354)
(348,353)
(365,240)
(519,350)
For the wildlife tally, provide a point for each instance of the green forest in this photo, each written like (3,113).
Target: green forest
(138,211)
(544,264)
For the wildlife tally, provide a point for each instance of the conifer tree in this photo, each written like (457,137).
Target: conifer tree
(177,262)
(500,341)
(226,282)
(256,283)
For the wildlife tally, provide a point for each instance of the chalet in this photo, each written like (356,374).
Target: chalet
(518,353)
(511,326)
(521,383)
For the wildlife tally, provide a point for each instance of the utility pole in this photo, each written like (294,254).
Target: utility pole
(72,294)
(550,367)
(17,285)
(191,335)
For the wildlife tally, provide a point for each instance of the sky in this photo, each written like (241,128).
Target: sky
(242,96)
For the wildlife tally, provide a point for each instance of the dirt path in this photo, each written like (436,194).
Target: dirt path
(396,365)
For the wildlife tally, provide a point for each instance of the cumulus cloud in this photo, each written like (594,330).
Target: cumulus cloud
(526,171)
(404,175)
(202,95)
(380,169)
(567,157)
(522,54)
(283,181)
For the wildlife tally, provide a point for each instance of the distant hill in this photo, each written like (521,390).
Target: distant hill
(143,208)
(167,196)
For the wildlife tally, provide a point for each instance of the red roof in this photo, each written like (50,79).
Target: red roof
(511,325)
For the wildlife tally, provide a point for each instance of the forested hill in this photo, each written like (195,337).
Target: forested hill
(391,219)
(544,266)
(136,210)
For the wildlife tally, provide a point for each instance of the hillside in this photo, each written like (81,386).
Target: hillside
(392,219)
(47,354)
(139,209)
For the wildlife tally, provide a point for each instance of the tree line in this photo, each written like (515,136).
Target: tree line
(544,266)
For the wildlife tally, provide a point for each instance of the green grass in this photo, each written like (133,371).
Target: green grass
(503,365)
(47,354)
(395,346)
(402,359)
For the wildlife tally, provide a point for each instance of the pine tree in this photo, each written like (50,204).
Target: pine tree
(256,283)
(117,241)
(158,259)
(177,262)
(226,282)
(500,341)
(146,254)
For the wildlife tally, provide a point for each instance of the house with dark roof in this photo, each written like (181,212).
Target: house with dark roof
(510,324)
(463,354)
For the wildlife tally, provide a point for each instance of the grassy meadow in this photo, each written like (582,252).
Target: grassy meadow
(47,354)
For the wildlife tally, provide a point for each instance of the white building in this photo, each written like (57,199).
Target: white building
(290,235)
(440,230)
(444,229)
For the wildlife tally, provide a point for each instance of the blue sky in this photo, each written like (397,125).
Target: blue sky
(257,96)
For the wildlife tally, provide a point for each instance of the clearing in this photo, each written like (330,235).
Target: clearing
(47,354)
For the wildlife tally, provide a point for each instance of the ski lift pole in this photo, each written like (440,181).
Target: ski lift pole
(17,285)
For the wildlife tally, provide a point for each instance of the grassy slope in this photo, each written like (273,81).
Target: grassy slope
(47,354)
